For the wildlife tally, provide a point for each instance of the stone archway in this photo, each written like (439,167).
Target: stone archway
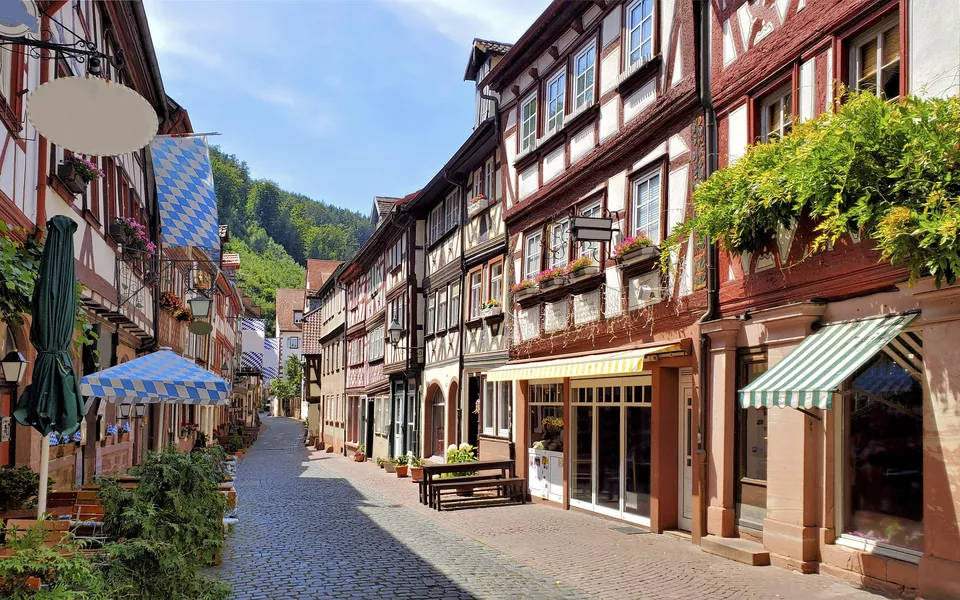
(453,399)
(435,430)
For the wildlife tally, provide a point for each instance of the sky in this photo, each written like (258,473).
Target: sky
(340,100)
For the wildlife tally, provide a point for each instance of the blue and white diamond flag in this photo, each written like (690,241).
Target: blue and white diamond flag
(188,203)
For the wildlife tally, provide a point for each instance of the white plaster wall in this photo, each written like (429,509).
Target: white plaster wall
(586,307)
(610,29)
(676,146)
(613,292)
(737,133)
(527,183)
(610,70)
(651,156)
(581,143)
(808,80)
(529,323)
(639,100)
(677,196)
(553,164)
(555,315)
(609,118)
(934,47)
(729,46)
(592,13)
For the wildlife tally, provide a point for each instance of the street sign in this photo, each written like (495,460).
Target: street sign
(592,229)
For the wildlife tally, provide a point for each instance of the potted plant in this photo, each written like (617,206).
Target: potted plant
(76,172)
(170,301)
(416,469)
(132,235)
(476,204)
(490,308)
(184,315)
(123,431)
(390,466)
(464,453)
(524,289)
(360,455)
(550,278)
(584,266)
(381,461)
(635,249)
(402,465)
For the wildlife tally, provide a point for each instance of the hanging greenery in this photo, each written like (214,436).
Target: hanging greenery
(885,169)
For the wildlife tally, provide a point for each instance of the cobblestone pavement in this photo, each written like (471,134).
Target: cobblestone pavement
(317,525)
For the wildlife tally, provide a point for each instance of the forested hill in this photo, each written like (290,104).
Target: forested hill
(275,231)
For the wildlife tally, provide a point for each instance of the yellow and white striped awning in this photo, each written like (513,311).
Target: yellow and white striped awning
(629,362)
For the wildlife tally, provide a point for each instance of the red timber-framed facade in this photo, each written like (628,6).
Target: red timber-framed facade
(862,485)
(319,272)
(382,287)
(601,118)
(33,188)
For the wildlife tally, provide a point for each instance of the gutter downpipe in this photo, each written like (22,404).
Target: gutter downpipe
(702,12)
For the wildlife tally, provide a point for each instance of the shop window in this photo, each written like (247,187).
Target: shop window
(497,408)
(876,60)
(882,476)
(546,415)
(751,442)
(438,420)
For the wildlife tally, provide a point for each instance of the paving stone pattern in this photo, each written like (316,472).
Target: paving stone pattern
(317,525)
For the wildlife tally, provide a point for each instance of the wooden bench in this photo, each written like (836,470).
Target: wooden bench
(432,473)
(509,487)
(56,531)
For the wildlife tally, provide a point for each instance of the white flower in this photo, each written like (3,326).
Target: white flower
(465,446)
(451,448)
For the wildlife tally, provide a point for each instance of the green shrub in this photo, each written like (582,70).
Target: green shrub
(232,443)
(17,485)
(140,569)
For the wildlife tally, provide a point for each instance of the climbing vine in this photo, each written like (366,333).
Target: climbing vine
(885,169)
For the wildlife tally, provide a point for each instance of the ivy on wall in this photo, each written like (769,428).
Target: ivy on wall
(886,169)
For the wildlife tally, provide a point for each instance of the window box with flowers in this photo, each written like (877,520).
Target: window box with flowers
(187,429)
(550,278)
(76,173)
(490,308)
(527,288)
(123,431)
(477,204)
(184,315)
(170,302)
(582,267)
(132,236)
(635,250)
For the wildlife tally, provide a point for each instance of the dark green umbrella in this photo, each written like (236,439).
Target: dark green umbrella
(52,401)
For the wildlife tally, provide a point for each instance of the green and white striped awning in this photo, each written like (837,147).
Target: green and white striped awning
(810,375)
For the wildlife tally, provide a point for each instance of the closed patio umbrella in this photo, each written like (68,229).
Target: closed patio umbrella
(52,401)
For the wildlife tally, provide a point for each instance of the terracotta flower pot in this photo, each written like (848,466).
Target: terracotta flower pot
(416,473)
(402,470)
(359,457)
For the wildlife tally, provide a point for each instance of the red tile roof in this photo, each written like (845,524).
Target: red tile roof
(287,302)
(318,271)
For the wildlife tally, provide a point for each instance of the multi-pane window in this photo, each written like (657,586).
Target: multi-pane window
(396,255)
(556,93)
(489,181)
(591,249)
(776,117)
(476,289)
(528,124)
(297,315)
(441,310)
(452,210)
(455,303)
(559,244)
(585,76)
(531,254)
(496,281)
(375,343)
(435,224)
(431,313)
(876,59)
(646,206)
(294,343)
(640,31)
(496,408)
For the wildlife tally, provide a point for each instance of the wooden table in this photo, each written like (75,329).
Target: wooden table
(507,468)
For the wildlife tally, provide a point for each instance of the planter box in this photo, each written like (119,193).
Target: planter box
(491,312)
(359,457)
(416,474)
(475,207)
(585,272)
(525,293)
(390,467)
(552,283)
(70,177)
(639,255)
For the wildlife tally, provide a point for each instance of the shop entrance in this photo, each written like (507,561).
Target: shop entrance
(750,483)
(611,447)
(685,513)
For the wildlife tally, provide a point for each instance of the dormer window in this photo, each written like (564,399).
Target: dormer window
(298,316)
(639,31)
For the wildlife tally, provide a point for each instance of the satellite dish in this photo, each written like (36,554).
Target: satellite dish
(93,116)
(200,327)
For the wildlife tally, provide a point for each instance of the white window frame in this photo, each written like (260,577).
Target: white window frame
(431,314)
(435,223)
(528,139)
(497,408)
(559,237)
(584,94)
(476,283)
(780,100)
(442,309)
(635,188)
(531,253)
(455,303)
(375,343)
(875,34)
(496,280)
(293,342)
(630,28)
(554,121)
(452,211)
(298,316)
(488,179)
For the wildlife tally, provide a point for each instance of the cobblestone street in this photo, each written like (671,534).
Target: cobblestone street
(317,525)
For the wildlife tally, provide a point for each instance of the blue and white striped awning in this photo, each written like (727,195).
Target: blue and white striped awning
(159,377)
(810,375)
(188,203)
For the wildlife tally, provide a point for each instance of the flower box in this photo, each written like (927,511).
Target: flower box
(390,466)
(549,284)
(588,271)
(477,204)
(638,255)
(491,312)
(69,174)
(525,293)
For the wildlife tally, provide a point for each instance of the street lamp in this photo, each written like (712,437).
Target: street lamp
(14,365)
(225,371)
(394,332)
(125,411)
(139,410)
(200,307)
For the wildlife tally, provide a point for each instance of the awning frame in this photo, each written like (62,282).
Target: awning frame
(607,364)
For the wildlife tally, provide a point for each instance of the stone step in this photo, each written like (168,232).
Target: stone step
(738,549)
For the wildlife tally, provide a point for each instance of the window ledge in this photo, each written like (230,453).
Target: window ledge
(583,115)
(636,74)
(879,548)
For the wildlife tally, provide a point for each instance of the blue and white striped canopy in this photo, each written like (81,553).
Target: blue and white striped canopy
(159,377)
(188,203)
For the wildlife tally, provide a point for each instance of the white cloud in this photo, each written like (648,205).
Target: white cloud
(463,20)
(280,97)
